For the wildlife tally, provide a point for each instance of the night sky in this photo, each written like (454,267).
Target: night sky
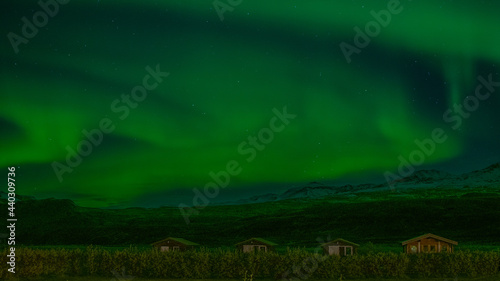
(226,81)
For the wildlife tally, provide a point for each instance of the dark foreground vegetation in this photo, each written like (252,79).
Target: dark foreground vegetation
(379,221)
(378,217)
(295,264)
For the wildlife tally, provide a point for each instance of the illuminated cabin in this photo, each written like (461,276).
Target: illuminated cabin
(428,243)
(340,247)
(174,244)
(256,245)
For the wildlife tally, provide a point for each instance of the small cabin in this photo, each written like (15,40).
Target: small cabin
(256,245)
(340,247)
(174,244)
(428,243)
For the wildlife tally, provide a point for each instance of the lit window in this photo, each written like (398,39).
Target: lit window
(413,249)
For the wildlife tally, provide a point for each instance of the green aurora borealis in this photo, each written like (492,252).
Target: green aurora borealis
(225,77)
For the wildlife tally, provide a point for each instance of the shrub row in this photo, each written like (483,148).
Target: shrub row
(201,264)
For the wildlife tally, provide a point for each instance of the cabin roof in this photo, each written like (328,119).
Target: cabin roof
(431,236)
(340,240)
(179,240)
(263,241)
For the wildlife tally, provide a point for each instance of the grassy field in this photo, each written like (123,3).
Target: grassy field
(382,218)
(491,278)
(207,264)
(364,248)
(377,221)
